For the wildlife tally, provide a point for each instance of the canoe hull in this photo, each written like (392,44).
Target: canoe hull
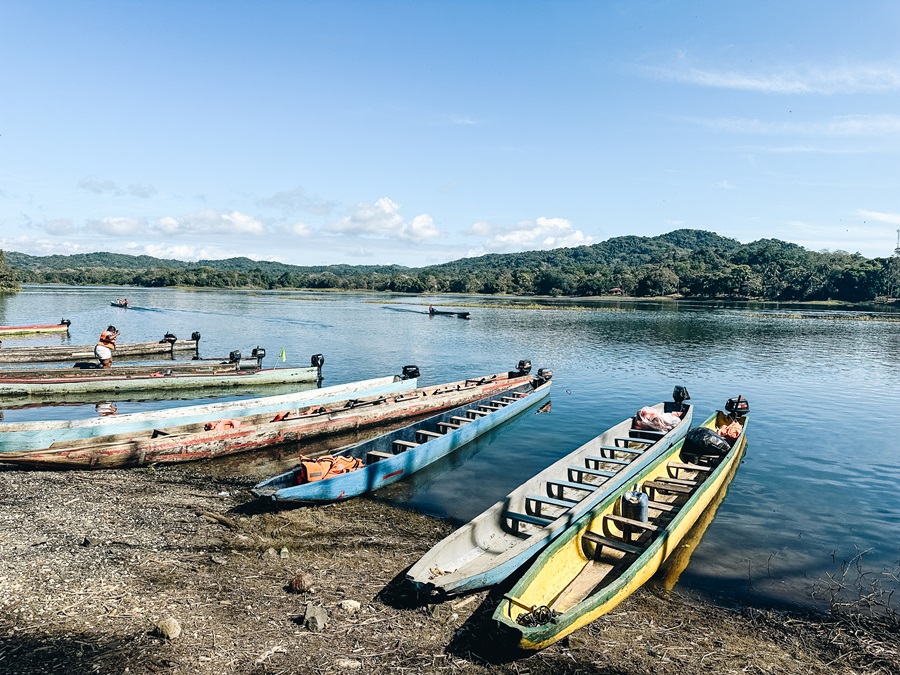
(386,471)
(175,444)
(34,329)
(50,354)
(94,384)
(17,436)
(484,552)
(553,572)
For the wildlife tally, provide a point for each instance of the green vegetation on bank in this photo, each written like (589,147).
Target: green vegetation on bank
(8,281)
(691,263)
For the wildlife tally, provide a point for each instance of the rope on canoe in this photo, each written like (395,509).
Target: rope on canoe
(538,616)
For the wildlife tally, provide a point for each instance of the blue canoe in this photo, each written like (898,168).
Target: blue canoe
(504,537)
(396,455)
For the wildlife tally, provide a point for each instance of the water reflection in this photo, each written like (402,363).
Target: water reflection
(819,485)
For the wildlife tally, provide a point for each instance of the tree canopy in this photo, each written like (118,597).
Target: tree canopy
(687,263)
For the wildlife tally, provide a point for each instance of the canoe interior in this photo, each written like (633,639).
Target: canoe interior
(605,556)
(497,541)
(404,440)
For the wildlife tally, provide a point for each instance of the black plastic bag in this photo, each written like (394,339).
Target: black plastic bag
(704,441)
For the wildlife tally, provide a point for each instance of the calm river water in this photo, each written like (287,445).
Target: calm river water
(817,495)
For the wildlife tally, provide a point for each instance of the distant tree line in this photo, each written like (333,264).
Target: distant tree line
(690,263)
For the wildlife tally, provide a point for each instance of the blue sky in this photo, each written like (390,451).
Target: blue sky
(421,132)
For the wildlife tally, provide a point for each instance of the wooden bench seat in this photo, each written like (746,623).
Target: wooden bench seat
(607,460)
(663,506)
(447,426)
(461,420)
(427,435)
(560,483)
(612,449)
(628,439)
(655,486)
(679,466)
(540,521)
(374,456)
(679,481)
(478,413)
(601,541)
(403,446)
(552,501)
(583,470)
(631,524)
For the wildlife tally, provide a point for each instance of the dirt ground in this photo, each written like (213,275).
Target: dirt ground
(91,563)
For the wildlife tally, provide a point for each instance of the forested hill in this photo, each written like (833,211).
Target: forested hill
(691,263)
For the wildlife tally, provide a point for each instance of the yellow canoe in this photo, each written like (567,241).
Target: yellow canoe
(605,556)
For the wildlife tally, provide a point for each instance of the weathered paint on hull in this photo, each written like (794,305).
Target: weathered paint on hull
(72,386)
(392,469)
(175,447)
(482,553)
(17,436)
(35,329)
(563,559)
(49,354)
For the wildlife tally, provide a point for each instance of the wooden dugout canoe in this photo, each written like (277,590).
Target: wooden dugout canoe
(604,557)
(193,442)
(40,434)
(51,353)
(400,453)
(68,383)
(504,537)
(61,327)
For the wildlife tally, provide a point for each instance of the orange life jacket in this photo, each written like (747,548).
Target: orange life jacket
(321,468)
(108,339)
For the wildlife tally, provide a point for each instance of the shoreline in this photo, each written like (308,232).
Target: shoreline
(92,562)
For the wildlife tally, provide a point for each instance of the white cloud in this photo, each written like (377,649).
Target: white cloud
(31,246)
(799,79)
(880,216)
(298,229)
(841,126)
(481,228)
(97,186)
(118,227)
(292,201)
(59,227)
(543,233)
(210,221)
(108,187)
(382,219)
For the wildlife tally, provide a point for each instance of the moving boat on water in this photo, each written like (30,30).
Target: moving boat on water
(504,537)
(47,354)
(289,426)
(90,380)
(391,457)
(119,303)
(61,327)
(437,312)
(40,434)
(616,547)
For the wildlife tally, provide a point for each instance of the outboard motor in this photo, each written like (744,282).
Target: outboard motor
(679,396)
(259,354)
(524,366)
(65,322)
(409,372)
(317,361)
(234,357)
(737,406)
(169,337)
(544,375)
(195,336)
